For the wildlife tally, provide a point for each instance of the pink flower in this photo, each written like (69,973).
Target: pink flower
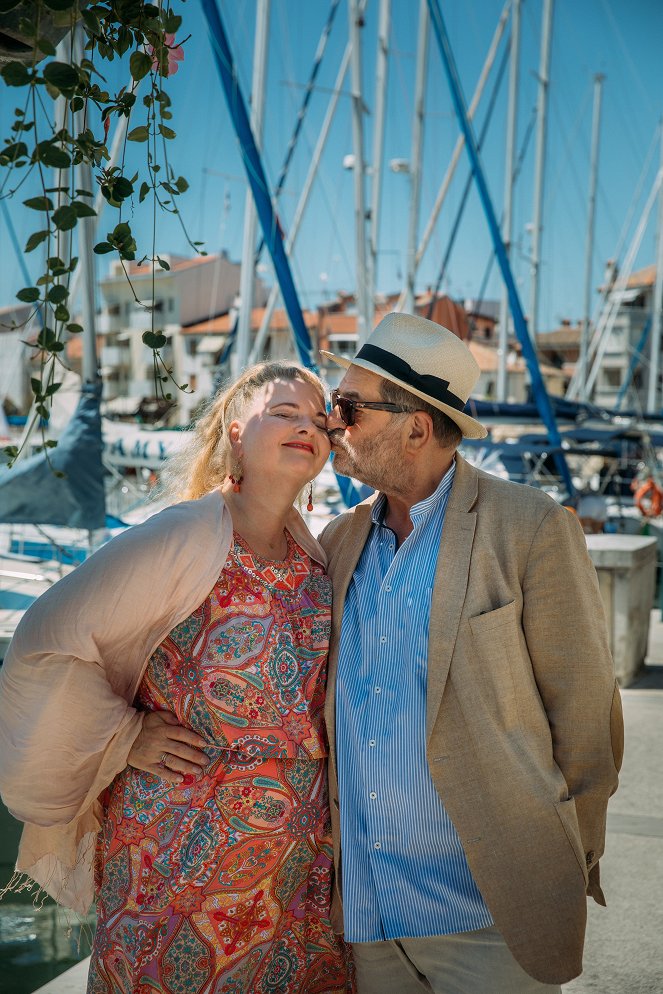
(175,55)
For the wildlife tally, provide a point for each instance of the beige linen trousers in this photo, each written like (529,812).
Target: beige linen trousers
(524,728)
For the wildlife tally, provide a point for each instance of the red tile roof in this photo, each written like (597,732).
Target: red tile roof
(221,325)
(486,357)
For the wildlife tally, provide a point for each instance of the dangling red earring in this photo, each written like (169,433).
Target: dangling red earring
(236,477)
(309,506)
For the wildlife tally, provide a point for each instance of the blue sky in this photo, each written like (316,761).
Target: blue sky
(614,37)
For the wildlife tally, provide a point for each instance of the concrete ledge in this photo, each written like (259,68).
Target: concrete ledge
(626,551)
(626,569)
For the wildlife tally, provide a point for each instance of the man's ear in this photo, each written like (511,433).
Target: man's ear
(421,429)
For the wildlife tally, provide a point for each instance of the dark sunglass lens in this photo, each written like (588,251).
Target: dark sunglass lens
(346,408)
(347,411)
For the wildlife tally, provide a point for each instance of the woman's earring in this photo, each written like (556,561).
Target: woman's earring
(309,506)
(236,476)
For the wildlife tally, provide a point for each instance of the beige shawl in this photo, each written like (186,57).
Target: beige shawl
(67,723)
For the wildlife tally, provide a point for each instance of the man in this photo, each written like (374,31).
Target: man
(473,716)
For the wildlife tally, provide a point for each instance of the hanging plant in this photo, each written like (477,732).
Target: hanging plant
(144,35)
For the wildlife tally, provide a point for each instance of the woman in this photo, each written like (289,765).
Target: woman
(164,704)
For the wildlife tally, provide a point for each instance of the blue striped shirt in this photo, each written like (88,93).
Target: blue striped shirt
(404,871)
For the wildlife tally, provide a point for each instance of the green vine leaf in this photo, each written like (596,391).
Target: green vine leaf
(12,153)
(47,340)
(28,294)
(167,132)
(15,74)
(154,339)
(74,329)
(65,218)
(82,210)
(139,65)
(62,76)
(35,239)
(57,294)
(91,21)
(39,203)
(52,155)
(172,23)
(46,46)
(140,134)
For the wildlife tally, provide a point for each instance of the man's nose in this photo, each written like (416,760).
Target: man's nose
(333,420)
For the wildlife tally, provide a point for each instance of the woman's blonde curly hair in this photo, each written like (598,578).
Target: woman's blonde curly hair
(205,460)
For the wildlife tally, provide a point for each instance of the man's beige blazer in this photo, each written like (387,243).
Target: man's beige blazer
(524,728)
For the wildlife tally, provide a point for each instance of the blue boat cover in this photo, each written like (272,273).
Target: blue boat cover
(31,493)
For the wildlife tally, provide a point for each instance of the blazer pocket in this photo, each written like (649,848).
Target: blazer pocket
(490,621)
(569,819)
(489,682)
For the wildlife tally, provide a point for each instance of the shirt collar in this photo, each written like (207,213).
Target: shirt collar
(426,507)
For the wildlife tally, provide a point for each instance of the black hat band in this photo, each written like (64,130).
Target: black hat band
(433,386)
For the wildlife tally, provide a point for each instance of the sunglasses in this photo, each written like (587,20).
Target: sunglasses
(347,408)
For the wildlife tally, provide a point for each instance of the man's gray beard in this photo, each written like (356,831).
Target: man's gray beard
(376,470)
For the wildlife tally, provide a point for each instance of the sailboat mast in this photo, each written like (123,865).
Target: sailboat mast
(542,125)
(364,306)
(86,235)
(384,24)
(655,354)
(507,224)
(591,217)
(242,345)
(417,148)
(86,232)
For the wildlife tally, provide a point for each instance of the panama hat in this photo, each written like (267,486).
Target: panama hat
(425,359)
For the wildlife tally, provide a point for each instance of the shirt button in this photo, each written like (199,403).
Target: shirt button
(372,795)
(377,845)
(388,589)
(378,690)
(383,638)
(371,742)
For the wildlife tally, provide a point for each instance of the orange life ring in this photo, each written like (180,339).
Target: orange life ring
(648,499)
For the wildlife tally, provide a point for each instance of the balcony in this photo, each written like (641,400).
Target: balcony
(115,356)
(107,323)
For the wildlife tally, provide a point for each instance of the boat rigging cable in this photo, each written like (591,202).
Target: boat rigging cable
(292,144)
(516,173)
(455,227)
(261,194)
(538,386)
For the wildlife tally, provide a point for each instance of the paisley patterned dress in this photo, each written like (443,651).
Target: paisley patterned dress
(221,885)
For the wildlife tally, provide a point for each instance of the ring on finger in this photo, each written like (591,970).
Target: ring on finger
(162,761)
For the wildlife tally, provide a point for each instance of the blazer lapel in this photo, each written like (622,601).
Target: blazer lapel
(450,586)
(341,568)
